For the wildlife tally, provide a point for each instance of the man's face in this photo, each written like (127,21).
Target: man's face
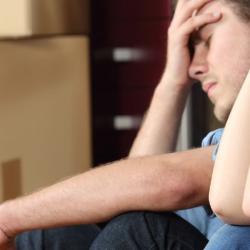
(221,57)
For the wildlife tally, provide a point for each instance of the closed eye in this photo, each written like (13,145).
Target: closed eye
(208,41)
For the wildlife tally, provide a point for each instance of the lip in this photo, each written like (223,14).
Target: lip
(208,87)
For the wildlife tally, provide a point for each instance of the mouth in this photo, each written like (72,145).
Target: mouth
(209,87)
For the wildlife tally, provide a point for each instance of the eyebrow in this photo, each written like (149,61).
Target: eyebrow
(195,37)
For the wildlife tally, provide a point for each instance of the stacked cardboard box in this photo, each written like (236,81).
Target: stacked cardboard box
(45,130)
(20,18)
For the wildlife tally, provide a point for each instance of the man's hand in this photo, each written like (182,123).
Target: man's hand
(185,22)
(5,242)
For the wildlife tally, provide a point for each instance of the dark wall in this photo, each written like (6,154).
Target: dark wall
(124,87)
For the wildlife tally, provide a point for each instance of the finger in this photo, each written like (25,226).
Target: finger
(187,9)
(195,4)
(195,22)
(179,5)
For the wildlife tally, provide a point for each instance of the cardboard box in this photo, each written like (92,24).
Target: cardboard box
(22,18)
(45,130)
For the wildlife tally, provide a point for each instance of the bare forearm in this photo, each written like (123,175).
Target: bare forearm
(166,182)
(231,168)
(87,198)
(159,131)
(91,197)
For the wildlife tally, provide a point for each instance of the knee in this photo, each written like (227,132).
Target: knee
(145,230)
(116,234)
(122,223)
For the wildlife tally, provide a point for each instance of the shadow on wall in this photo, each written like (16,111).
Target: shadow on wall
(11,179)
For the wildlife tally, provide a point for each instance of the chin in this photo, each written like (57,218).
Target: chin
(222,114)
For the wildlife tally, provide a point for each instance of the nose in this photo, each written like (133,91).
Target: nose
(199,66)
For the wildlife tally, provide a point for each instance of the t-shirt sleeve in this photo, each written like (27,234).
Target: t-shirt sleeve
(213,138)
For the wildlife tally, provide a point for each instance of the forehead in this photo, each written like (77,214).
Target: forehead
(229,28)
(211,7)
(228,14)
(196,36)
(220,6)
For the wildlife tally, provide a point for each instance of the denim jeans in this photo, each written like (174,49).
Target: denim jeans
(66,238)
(230,238)
(130,231)
(149,231)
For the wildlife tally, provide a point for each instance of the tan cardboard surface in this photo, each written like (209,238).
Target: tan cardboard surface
(21,18)
(45,109)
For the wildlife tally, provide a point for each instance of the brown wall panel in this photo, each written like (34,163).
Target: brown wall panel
(130,9)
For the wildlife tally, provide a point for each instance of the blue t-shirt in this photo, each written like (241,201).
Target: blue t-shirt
(202,217)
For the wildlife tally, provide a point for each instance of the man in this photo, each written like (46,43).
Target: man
(152,178)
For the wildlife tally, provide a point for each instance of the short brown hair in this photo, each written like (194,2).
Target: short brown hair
(240,7)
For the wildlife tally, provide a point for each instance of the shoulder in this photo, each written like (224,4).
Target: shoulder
(213,137)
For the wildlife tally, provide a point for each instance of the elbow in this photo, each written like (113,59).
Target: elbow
(215,204)
(169,200)
(228,213)
(159,190)
(246,206)
(220,209)
(218,205)
(175,194)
